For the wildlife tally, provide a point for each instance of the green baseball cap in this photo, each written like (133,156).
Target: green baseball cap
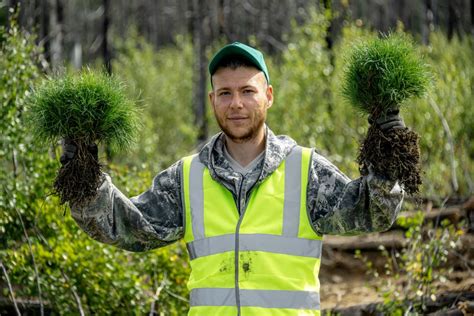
(248,53)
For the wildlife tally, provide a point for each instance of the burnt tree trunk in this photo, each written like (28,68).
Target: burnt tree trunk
(328,12)
(453,19)
(200,67)
(106,54)
(428,21)
(56,21)
(472,17)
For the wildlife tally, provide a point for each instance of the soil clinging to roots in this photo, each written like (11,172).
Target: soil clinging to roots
(394,154)
(78,180)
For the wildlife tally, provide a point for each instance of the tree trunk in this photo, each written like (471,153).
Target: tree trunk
(107,57)
(221,13)
(106,54)
(328,12)
(200,66)
(472,17)
(427,26)
(453,19)
(13,4)
(56,19)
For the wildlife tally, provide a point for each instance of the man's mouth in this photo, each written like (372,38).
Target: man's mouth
(237,118)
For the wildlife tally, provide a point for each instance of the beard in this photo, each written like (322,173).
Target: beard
(251,131)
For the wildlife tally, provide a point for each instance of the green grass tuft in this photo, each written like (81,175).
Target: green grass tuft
(382,73)
(89,107)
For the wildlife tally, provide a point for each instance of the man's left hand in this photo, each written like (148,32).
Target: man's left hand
(391,120)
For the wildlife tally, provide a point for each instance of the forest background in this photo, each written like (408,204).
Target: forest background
(160,50)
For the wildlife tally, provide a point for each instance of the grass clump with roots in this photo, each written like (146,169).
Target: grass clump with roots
(85,108)
(380,75)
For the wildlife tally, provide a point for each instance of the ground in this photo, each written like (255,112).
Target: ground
(346,283)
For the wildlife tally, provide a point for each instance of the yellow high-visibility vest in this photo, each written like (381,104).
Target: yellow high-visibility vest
(264,262)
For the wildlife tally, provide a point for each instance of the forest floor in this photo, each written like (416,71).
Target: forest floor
(346,281)
(349,287)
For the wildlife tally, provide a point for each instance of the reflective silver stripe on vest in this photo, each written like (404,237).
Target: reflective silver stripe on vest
(257,298)
(211,245)
(255,242)
(212,297)
(196,197)
(291,209)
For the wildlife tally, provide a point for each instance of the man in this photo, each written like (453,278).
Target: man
(251,206)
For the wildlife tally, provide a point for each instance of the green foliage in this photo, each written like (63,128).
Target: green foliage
(382,73)
(24,168)
(412,276)
(63,259)
(108,281)
(300,83)
(305,106)
(90,107)
(446,135)
(163,81)
(308,107)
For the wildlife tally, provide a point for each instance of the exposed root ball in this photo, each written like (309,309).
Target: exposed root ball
(394,154)
(78,180)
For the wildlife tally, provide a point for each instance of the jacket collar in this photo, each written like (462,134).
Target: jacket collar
(276,150)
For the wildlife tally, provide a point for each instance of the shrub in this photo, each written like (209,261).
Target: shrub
(383,72)
(83,109)
(380,75)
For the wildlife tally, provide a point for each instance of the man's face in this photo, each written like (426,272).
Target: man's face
(240,99)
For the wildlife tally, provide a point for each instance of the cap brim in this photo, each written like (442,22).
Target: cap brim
(232,51)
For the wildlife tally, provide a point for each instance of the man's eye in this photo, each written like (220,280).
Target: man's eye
(223,93)
(248,91)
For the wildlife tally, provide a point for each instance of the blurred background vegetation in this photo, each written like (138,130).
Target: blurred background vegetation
(160,50)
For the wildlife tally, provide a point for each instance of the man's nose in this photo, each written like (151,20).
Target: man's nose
(236,101)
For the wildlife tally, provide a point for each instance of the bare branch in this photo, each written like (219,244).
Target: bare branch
(176,296)
(447,130)
(157,293)
(64,275)
(12,294)
(34,262)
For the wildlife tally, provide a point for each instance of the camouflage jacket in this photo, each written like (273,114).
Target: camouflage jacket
(155,218)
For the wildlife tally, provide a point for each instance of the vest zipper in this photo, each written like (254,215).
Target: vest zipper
(236,251)
(237,247)
(241,217)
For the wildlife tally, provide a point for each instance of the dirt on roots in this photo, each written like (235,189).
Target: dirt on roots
(394,154)
(77,181)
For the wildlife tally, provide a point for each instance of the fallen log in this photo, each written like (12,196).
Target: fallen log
(454,213)
(448,303)
(26,306)
(389,240)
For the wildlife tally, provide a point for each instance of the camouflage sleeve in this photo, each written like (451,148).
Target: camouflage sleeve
(151,220)
(339,206)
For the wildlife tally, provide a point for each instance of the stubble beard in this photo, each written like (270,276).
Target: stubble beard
(250,134)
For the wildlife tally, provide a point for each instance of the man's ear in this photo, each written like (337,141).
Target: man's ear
(269,94)
(211,95)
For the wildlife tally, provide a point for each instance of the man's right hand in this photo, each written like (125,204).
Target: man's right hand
(70,150)
(390,121)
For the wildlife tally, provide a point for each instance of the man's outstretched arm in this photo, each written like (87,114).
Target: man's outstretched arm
(369,204)
(151,220)
(339,206)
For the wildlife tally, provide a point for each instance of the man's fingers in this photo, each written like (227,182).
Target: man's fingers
(70,150)
(70,147)
(63,159)
(392,125)
(388,118)
(390,121)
